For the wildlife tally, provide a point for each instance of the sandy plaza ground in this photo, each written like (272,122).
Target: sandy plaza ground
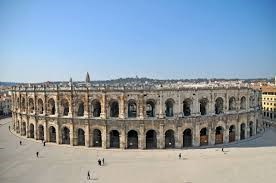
(251,161)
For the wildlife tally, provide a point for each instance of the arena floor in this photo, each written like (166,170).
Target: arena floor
(252,161)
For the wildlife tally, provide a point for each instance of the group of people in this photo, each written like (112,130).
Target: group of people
(100,163)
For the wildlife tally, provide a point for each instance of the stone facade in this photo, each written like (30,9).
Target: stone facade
(134,117)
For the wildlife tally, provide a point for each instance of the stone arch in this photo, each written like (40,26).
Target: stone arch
(96,108)
(169,105)
(132,109)
(251,101)
(52,134)
(232,104)
(40,132)
(80,108)
(31,130)
(187,107)
(97,138)
(150,108)
(242,131)
(24,131)
(31,105)
(114,137)
(232,133)
(17,127)
(40,108)
(132,139)
(64,107)
(219,105)
(151,139)
(114,109)
(51,106)
(65,135)
(169,139)
(243,103)
(81,137)
(23,105)
(251,128)
(219,135)
(187,138)
(203,105)
(203,136)
(18,103)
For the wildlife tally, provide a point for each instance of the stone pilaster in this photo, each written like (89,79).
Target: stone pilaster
(161,137)
(103,106)
(122,107)
(142,137)
(141,106)
(87,134)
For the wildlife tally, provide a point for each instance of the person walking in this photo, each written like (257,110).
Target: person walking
(222,149)
(103,161)
(88,175)
(99,162)
(44,143)
(20,142)
(37,154)
(179,156)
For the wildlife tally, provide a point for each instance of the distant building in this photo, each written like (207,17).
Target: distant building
(5,104)
(269,104)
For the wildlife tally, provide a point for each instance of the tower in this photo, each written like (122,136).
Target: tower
(87,78)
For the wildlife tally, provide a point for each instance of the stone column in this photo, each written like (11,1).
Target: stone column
(161,137)
(86,105)
(141,106)
(123,139)
(226,135)
(72,134)
(87,134)
(35,130)
(58,134)
(178,138)
(122,107)
(180,107)
(46,131)
(161,110)
(225,107)
(142,137)
(103,106)
(196,136)
(211,137)
(105,138)
(237,131)
(211,104)
(196,110)
(71,112)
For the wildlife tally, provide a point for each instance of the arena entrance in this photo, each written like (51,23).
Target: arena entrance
(81,137)
(31,130)
(187,138)
(65,134)
(169,139)
(219,135)
(40,132)
(114,139)
(242,133)
(52,134)
(232,134)
(151,140)
(97,138)
(132,139)
(203,137)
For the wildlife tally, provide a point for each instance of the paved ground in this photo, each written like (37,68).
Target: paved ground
(253,161)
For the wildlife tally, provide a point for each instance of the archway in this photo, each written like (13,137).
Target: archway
(81,137)
(232,104)
(31,130)
(151,140)
(17,127)
(203,137)
(114,139)
(65,136)
(187,138)
(31,105)
(64,107)
(40,106)
(114,109)
(96,108)
(80,111)
(24,129)
(219,135)
(132,109)
(251,129)
(232,134)
(51,106)
(150,108)
(187,107)
(169,108)
(243,103)
(97,138)
(40,132)
(169,139)
(52,134)
(132,139)
(219,105)
(242,133)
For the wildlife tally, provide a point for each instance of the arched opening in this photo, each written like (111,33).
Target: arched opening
(52,134)
(151,140)
(51,106)
(251,101)
(232,104)
(232,134)
(24,129)
(31,105)
(64,107)
(80,111)
(40,106)
(219,135)
(169,139)
(65,135)
(150,108)
(97,138)
(96,108)
(169,108)
(31,130)
(114,139)
(81,137)
(132,139)
(250,128)
(23,105)
(17,127)
(243,103)
(132,109)
(187,107)
(203,106)
(187,138)
(203,137)
(219,105)
(40,132)
(18,103)
(242,133)
(114,109)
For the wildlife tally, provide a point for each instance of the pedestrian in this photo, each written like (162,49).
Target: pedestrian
(99,162)
(44,143)
(88,175)
(36,154)
(222,149)
(9,128)
(20,142)
(179,156)
(103,161)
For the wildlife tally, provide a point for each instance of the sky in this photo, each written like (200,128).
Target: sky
(55,40)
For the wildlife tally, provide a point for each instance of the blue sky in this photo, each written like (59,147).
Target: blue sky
(56,40)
